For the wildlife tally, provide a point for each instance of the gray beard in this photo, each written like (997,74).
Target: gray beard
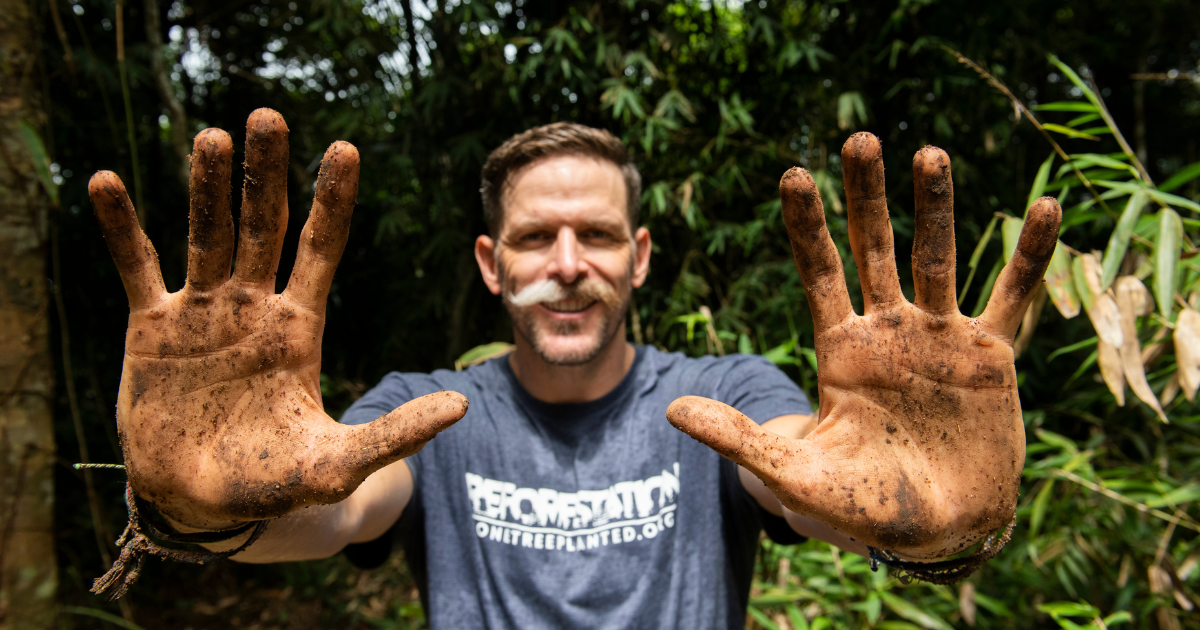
(526,326)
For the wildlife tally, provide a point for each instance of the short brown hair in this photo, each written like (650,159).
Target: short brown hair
(560,138)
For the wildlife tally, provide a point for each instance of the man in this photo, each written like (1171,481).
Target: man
(561,498)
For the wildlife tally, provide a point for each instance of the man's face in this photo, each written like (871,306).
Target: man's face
(566,258)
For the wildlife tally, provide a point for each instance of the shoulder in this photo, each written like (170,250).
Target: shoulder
(397,388)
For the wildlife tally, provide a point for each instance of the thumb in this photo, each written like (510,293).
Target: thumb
(401,432)
(771,457)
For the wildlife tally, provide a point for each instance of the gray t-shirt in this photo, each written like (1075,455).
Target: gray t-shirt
(593,515)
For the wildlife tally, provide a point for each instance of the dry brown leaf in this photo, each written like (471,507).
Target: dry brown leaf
(1109,358)
(1160,583)
(1106,319)
(1169,392)
(1187,352)
(966,602)
(1130,291)
(1092,271)
(1029,322)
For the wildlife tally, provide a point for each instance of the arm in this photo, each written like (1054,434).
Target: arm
(320,531)
(795,427)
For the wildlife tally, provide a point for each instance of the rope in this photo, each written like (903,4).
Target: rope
(945,571)
(135,545)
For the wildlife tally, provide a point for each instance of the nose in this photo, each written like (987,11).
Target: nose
(567,263)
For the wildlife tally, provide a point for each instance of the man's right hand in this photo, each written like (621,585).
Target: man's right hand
(220,411)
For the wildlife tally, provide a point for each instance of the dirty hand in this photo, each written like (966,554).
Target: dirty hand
(220,411)
(920,442)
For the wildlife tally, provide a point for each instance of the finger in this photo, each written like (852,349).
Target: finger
(1023,274)
(777,460)
(133,253)
(264,198)
(210,225)
(817,258)
(933,242)
(398,434)
(324,235)
(870,229)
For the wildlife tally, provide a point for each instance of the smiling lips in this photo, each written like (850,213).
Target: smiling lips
(570,305)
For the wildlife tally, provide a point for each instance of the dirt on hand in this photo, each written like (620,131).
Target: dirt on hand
(920,443)
(219,411)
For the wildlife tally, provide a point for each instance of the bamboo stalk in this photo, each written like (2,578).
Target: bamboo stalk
(140,208)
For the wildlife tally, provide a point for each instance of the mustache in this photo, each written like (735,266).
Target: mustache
(550,290)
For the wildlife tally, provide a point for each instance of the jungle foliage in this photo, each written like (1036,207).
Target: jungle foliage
(717,100)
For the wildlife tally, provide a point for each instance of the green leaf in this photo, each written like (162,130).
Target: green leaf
(1081,286)
(911,612)
(41,162)
(1060,283)
(986,291)
(1079,120)
(992,605)
(1166,259)
(1039,182)
(1069,609)
(1165,198)
(744,345)
(874,607)
(1074,78)
(1118,242)
(1181,177)
(1086,343)
(1039,507)
(1010,233)
(897,625)
(1118,617)
(1067,131)
(1066,106)
(796,616)
(102,615)
(975,256)
(762,619)
(782,354)
(850,104)
(1095,159)
(1054,439)
(479,354)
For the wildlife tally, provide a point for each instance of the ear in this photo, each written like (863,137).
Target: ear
(641,256)
(485,255)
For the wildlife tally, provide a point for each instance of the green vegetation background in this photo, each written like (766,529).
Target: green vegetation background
(717,101)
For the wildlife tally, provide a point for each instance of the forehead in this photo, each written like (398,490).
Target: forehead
(565,189)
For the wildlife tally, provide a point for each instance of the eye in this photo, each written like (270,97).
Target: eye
(534,237)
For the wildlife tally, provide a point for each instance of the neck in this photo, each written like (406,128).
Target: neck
(572,383)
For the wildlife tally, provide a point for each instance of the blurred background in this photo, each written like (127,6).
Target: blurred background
(1096,103)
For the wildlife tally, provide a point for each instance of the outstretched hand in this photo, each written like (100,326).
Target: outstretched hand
(220,411)
(920,443)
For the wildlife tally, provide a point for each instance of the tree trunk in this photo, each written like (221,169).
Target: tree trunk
(28,570)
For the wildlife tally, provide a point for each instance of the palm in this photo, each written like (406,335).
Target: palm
(920,444)
(220,409)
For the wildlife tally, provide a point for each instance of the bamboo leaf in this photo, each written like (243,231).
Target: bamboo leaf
(1118,242)
(1069,609)
(1060,283)
(1039,182)
(1067,131)
(976,255)
(1129,292)
(1168,199)
(986,291)
(1181,177)
(1010,232)
(1111,369)
(911,612)
(1166,259)
(1038,515)
(1066,106)
(1103,160)
(1086,296)
(41,161)
(1187,351)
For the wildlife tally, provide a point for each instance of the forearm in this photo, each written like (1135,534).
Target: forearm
(321,531)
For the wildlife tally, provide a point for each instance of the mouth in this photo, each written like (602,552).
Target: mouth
(576,305)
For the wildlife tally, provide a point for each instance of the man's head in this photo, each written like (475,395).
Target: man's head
(564,250)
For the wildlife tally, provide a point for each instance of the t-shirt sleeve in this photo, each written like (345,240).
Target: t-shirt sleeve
(759,389)
(391,392)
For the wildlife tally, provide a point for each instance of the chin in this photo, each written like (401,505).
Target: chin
(572,350)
